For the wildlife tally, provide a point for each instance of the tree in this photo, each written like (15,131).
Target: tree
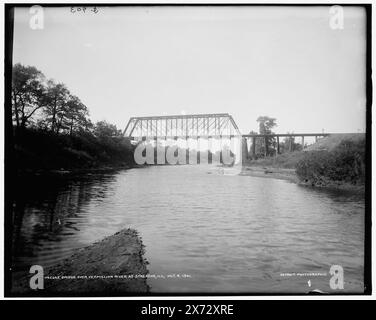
(289,144)
(266,124)
(28,93)
(103,129)
(61,111)
(57,97)
(76,115)
(50,114)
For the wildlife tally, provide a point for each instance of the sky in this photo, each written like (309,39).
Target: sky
(283,62)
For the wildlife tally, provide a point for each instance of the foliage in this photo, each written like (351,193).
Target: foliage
(104,129)
(45,104)
(38,149)
(345,163)
(266,124)
(265,146)
(287,160)
(28,92)
(53,130)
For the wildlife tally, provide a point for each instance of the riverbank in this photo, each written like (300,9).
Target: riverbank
(112,266)
(39,150)
(334,162)
(290,175)
(75,171)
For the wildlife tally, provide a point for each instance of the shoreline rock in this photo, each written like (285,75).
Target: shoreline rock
(112,266)
(270,172)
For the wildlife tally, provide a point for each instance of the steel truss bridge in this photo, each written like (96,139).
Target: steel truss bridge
(216,125)
(203,126)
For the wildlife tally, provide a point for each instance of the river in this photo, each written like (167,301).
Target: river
(204,231)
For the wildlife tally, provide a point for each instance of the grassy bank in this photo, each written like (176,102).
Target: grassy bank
(41,150)
(337,160)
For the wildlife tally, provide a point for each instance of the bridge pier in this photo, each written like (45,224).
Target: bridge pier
(244,149)
(253,147)
(278,152)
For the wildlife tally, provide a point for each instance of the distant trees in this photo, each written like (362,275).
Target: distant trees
(46,113)
(76,116)
(28,93)
(268,146)
(290,144)
(105,129)
(57,107)
(45,103)
(266,124)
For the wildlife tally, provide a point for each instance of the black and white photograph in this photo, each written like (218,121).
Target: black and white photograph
(187,150)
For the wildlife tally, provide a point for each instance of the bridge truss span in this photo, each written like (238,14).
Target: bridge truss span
(182,126)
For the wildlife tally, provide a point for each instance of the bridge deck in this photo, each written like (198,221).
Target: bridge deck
(224,136)
(286,135)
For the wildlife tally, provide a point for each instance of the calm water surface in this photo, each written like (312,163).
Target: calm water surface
(203,230)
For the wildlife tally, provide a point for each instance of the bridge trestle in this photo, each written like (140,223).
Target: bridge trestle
(208,127)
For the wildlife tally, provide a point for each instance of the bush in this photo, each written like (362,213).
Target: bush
(345,163)
(38,149)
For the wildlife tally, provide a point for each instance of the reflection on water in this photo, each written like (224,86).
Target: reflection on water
(48,216)
(229,233)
